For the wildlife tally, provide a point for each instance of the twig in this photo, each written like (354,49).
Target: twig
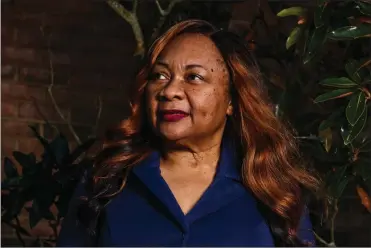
(42,115)
(132,18)
(50,91)
(171,5)
(336,209)
(164,13)
(320,239)
(19,236)
(308,138)
(100,104)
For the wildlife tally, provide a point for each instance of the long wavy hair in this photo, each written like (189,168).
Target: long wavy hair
(272,167)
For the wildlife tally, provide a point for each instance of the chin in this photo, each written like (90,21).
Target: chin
(173,134)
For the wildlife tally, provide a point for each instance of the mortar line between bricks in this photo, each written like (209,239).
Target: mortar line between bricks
(26,120)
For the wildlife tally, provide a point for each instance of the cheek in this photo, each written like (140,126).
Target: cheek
(209,103)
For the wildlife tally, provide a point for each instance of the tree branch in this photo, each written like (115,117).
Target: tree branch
(100,106)
(50,91)
(164,13)
(320,239)
(336,209)
(132,18)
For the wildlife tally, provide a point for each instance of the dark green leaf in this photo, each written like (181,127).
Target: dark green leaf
(11,182)
(16,201)
(362,168)
(339,93)
(337,181)
(9,168)
(365,146)
(341,82)
(293,11)
(34,215)
(364,7)
(43,200)
(75,154)
(344,132)
(63,202)
(48,150)
(357,128)
(316,42)
(42,140)
(351,68)
(293,37)
(60,148)
(331,120)
(355,108)
(321,15)
(351,32)
(25,160)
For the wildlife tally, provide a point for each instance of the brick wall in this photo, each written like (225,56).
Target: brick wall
(91,49)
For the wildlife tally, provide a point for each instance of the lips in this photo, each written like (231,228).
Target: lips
(172,115)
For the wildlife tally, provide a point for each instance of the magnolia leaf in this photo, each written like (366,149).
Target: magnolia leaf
(331,120)
(362,168)
(25,160)
(356,129)
(78,151)
(365,146)
(326,136)
(364,8)
(316,42)
(9,168)
(351,32)
(355,108)
(321,15)
(339,93)
(337,180)
(363,63)
(60,148)
(351,69)
(293,37)
(341,82)
(293,11)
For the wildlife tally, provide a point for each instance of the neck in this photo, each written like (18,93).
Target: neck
(192,156)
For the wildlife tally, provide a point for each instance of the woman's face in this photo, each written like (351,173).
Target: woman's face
(188,90)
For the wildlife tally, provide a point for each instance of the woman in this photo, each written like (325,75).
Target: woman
(202,161)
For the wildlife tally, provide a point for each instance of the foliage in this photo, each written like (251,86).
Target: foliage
(42,185)
(333,124)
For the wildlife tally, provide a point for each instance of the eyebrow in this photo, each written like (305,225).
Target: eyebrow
(187,66)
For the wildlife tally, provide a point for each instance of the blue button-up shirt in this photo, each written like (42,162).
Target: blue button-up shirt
(146,213)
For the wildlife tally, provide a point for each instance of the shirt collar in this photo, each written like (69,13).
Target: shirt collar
(229,165)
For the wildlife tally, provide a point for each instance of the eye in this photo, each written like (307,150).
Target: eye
(194,77)
(157,76)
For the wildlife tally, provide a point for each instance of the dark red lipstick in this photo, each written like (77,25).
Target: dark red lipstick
(172,115)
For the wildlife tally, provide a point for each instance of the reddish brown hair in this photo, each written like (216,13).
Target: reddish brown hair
(272,168)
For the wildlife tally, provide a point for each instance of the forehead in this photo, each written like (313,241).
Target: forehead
(192,48)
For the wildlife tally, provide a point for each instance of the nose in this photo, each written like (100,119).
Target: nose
(172,90)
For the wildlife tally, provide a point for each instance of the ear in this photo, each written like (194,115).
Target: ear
(230,109)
